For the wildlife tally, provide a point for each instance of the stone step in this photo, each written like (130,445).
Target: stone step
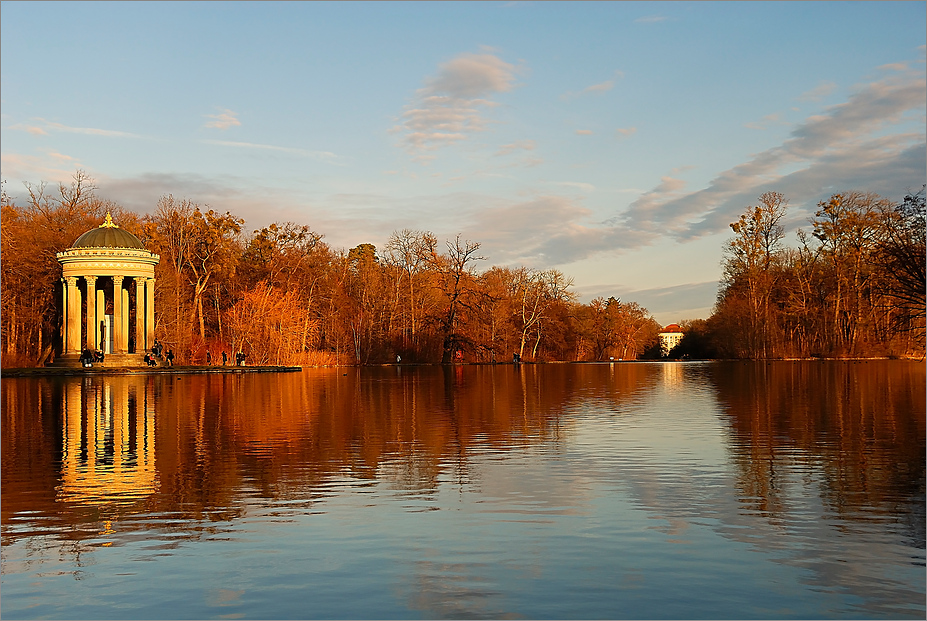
(110,361)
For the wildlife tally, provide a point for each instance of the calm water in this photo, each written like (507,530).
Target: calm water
(692,490)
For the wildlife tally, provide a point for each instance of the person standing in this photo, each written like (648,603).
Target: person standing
(225,358)
(208,358)
(170,357)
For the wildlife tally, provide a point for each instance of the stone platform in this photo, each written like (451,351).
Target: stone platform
(110,361)
(98,369)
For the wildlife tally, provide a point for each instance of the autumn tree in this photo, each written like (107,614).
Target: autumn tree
(269,325)
(492,311)
(615,330)
(287,262)
(535,291)
(902,255)
(32,235)
(411,252)
(847,228)
(455,280)
(750,272)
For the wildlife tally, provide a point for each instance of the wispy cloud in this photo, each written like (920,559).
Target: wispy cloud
(44,127)
(32,129)
(512,147)
(846,147)
(584,132)
(522,232)
(225,119)
(449,108)
(624,132)
(61,156)
(676,302)
(894,67)
(52,167)
(322,156)
(579,185)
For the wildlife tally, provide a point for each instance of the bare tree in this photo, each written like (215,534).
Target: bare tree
(456,282)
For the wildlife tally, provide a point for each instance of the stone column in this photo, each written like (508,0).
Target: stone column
(101,316)
(119,335)
(126,335)
(92,327)
(72,315)
(149,313)
(64,316)
(138,330)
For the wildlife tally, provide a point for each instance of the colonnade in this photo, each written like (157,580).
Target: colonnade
(80,332)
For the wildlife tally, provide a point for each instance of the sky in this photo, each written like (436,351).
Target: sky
(613,141)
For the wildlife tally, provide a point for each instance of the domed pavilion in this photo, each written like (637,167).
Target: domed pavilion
(108,277)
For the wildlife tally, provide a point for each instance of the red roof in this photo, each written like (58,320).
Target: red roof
(673,327)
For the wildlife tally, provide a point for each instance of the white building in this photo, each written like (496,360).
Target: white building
(669,338)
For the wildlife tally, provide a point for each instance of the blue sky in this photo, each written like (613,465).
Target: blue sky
(612,141)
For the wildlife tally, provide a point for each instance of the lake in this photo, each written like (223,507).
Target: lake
(623,490)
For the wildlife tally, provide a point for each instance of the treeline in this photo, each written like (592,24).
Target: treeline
(854,286)
(282,295)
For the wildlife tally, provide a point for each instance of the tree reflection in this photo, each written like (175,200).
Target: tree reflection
(195,445)
(860,424)
(815,465)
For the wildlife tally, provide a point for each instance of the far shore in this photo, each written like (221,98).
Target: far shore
(217,369)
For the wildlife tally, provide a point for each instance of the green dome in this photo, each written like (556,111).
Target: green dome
(108,235)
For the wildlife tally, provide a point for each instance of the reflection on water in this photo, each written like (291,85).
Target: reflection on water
(108,443)
(611,490)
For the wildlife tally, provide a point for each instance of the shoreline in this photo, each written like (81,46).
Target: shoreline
(175,370)
(206,370)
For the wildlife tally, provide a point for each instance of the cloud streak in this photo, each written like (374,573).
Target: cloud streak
(846,147)
(857,144)
(450,107)
(46,127)
(601,87)
(31,129)
(520,145)
(322,156)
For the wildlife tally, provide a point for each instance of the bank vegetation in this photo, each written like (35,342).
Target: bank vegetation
(282,295)
(854,286)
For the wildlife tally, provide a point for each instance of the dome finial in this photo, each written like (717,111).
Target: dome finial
(109,222)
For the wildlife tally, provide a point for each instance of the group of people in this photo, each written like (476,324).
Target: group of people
(157,353)
(89,356)
(239,358)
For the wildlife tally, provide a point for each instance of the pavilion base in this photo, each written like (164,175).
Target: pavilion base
(110,361)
